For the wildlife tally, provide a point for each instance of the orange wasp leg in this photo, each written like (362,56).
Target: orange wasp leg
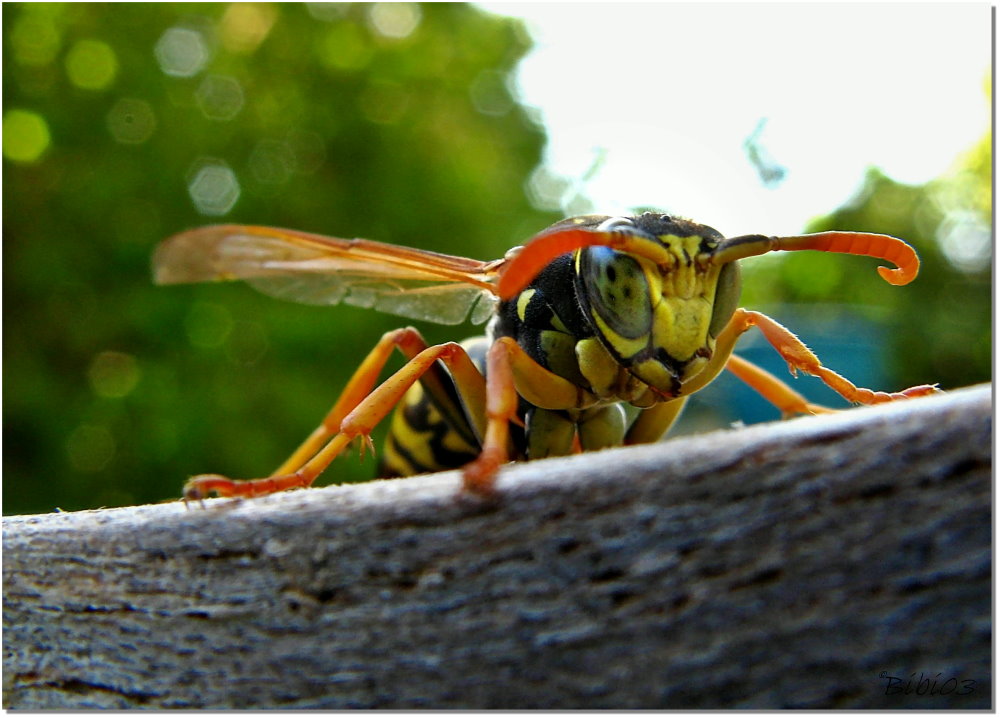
(800,358)
(777,392)
(541,387)
(410,343)
(407,340)
(653,423)
(501,408)
(362,418)
(510,374)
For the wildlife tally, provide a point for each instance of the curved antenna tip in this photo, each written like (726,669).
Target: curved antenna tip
(896,276)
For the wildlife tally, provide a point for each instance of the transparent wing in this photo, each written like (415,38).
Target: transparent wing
(310,268)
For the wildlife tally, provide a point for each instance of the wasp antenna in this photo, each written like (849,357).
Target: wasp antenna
(539,253)
(881,246)
(544,248)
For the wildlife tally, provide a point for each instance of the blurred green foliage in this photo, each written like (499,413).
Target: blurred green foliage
(391,122)
(124,123)
(937,329)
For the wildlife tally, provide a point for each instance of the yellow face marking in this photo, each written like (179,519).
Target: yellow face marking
(684,313)
(683,278)
(680,326)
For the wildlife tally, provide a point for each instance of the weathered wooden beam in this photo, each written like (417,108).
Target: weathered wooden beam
(800,564)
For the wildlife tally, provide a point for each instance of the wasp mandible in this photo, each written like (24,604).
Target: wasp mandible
(592,314)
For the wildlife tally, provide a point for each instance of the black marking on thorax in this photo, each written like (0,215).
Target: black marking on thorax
(553,296)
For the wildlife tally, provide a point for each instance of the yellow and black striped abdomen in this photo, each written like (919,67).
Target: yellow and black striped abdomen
(431,431)
(421,440)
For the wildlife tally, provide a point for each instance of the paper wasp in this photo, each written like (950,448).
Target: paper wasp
(593,313)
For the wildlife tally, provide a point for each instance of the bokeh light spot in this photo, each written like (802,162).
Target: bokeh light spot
(546,189)
(966,241)
(394,19)
(490,95)
(207,325)
(91,65)
(220,97)
(345,47)
(244,26)
(327,11)
(181,52)
(213,187)
(25,136)
(271,162)
(34,40)
(131,121)
(90,448)
(113,375)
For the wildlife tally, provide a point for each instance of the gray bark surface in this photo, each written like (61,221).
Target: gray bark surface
(800,564)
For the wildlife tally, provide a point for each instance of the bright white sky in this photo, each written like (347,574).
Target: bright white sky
(668,93)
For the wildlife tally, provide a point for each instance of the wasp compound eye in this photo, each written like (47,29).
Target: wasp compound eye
(617,289)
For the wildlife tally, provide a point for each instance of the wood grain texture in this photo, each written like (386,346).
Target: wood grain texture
(782,565)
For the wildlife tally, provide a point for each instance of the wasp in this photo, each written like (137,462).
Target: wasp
(591,315)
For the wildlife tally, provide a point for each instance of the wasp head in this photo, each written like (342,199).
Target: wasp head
(655,298)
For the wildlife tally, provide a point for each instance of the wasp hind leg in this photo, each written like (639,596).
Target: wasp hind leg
(356,413)
(410,343)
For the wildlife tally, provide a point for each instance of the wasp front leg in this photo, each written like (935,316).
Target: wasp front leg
(799,358)
(653,423)
(356,414)
(511,374)
(773,389)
